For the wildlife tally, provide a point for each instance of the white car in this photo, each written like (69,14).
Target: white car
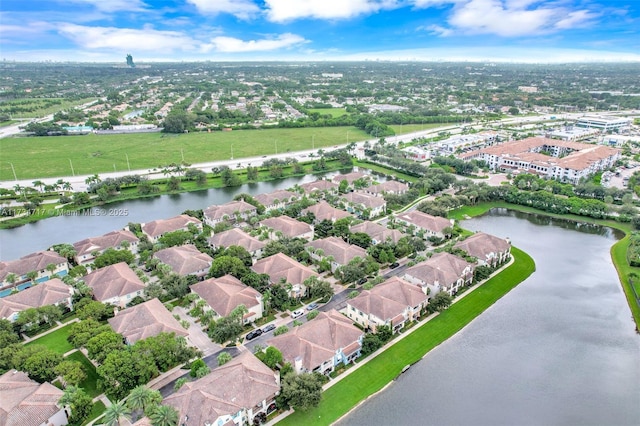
(297,313)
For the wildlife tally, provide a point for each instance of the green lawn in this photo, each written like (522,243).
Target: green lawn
(90,383)
(387,171)
(379,371)
(96,411)
(56,341)
(40,157)
(333,112)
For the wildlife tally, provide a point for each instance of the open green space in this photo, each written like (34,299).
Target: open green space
(333,112)
(90,384)
(410,128)
(56,340)
(53,156)
(379,371)
(385,170)
(39,107)
(96,411)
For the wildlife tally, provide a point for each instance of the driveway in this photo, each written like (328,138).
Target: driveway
(197,337)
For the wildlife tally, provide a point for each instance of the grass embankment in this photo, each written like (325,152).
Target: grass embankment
(379,371)
(56,341)
(44,157)
(618,250)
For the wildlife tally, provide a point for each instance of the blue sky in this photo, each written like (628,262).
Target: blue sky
(230,30)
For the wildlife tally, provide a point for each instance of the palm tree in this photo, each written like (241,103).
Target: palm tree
(141,397)
(38,183)
(32,275)
(115,412)
(164,415)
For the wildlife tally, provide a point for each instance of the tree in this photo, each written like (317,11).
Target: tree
(123,370)
(224,265)
(319,289)
(116,412)
(302,391)
(32,275)
(80,332)
(240,253)
(103,344)
(176,238)
(164,415)
(229,178)
(173,184)
(40,366)
(272,357)
(176,122)
(195,366)
(223,358)
(112,256)
(78,402)
(439,302)
(229,327)
(72,372)
(143,398)
(94,309)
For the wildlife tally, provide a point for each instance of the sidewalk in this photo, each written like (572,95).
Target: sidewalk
(51,330)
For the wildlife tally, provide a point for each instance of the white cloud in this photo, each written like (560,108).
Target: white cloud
(438,30)
(242,9)
(114,5)
(289,10)
(231,44)
(508,18)
(146,39)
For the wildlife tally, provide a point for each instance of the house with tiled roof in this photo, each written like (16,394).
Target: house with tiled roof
(417,222)
(378,233)
(147,319)
(226,293)
(282,268)
(319,187)
(364,205)
(157,228)
(237,237)
(441,272)
(488,249)
(115,284)
(89,248)
(25,402)
(276,200)
(338,252)
(34,262)
(287,227)
(325,211)
(391,303)
(232,211)
(351,177)
(232,394)
(388,187)
(185,260)
(52,292)
(320,344)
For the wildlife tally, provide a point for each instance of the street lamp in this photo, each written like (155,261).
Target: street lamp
(128,165)
(14,171)
(71,164)
(232,151)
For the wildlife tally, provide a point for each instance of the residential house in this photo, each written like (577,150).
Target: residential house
(388,187)
(282,268)
(226,293)
(38,262)
(335,250)
(25,402)
(276,200)
(378,233)
(321,344)
(115,284)
(418,223)
(156,229)
(441,272)
(232,394)
(185,260)
(147,319)
(351,177)
(233,211)
(287,227)
(236,237)
(89,248)
(319,187)
(325,211)
(363,205)
(52,292)
(488,249)
(391,303)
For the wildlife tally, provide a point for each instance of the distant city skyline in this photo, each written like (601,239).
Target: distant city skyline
(320,30)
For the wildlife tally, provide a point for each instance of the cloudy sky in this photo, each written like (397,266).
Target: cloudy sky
(221,30)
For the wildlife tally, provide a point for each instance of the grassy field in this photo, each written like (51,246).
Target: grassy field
(379,371)
(96,411)
(41,157)
(334,112)
(40,106)
(89,384)
(56,341)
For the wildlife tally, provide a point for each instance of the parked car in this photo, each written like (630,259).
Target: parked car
(297,313)
(394,265)
(312,306)
(362,281)
(268,328)
(253,334)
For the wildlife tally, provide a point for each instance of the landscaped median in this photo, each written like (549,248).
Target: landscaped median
(379,371)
